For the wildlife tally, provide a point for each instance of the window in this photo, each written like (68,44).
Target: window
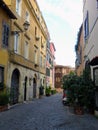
(41,61)
(35,57)
(48,44)
(35,31)
(63,71)
(27,16)
(97,4)
(96,76)
(26,50)
(44,63)
(86,26)
(50,60)
(58,79)
(16,43)
(18,6)
(58,70)
(47,72)
(5,35)
(80,54)
(41,39)
(79,58)
(1,76)
(47,56)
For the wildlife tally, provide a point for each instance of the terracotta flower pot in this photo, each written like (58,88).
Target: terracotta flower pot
(79,110)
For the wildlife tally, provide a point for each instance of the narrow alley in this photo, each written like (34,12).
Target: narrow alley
(46,113)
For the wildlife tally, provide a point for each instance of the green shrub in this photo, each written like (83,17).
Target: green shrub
(48,90)
(53,91)
(80,90)
(1,86)
(4,98)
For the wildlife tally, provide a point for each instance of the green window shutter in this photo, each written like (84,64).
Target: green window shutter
(5,35)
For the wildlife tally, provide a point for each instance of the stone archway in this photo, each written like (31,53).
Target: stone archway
(14,93)
(88,69)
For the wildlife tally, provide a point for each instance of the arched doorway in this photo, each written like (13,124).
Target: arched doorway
(94,64)
(14,93)
(87,70)
(34,86)
(25,88)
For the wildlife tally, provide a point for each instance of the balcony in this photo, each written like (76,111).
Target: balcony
(20,60)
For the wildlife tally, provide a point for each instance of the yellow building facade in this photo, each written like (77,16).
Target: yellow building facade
(26,53)
(7,2)
(5,20)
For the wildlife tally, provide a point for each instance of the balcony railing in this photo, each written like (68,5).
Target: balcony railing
(18,59)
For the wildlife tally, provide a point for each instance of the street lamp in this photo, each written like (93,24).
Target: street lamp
(26,25)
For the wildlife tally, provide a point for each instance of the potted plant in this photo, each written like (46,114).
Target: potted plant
(4,100)
(41,91)
(80,92)
(48,91)
(53,91)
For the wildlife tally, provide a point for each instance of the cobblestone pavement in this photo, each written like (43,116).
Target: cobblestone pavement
(46,113)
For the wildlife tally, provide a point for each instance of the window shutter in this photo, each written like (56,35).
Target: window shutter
(5,35)
(86,25)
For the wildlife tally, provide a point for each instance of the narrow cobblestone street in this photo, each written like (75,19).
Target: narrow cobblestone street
(46,113)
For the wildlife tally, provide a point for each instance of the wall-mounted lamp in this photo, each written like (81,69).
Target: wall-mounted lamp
(26,25)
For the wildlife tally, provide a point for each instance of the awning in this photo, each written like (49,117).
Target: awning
(94,61)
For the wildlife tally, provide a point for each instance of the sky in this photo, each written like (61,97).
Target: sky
(63,19)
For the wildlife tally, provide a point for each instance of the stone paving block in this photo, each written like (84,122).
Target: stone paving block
(47,113)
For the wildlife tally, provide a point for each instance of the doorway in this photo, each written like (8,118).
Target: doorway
(14,93)
(25,88)
(34,87)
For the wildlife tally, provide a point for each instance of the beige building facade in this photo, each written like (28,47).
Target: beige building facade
(90,27)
